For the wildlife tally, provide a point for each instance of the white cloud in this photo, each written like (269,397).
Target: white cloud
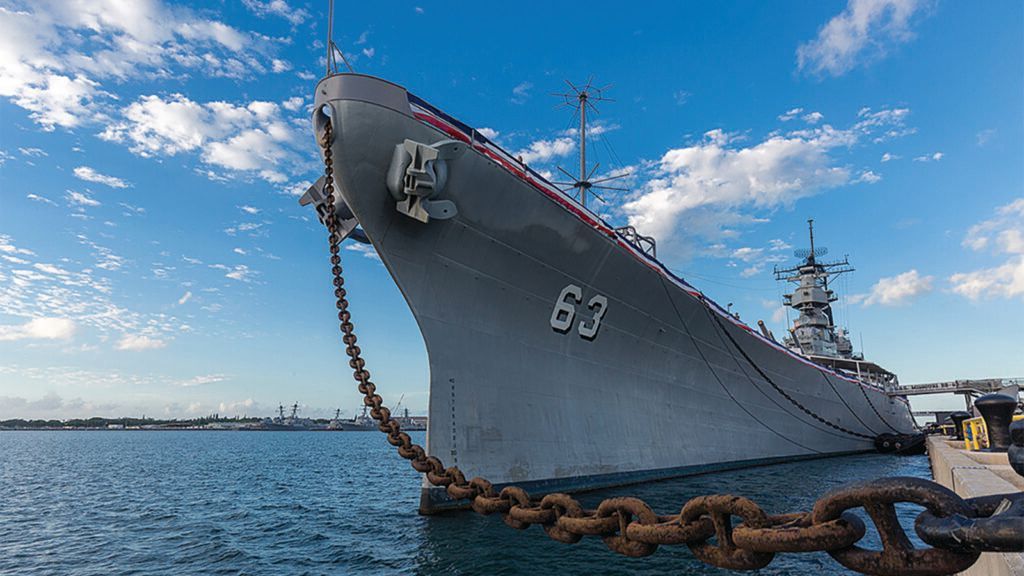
(985,136)
(369,52)
(253,227)
(863,32)
(521,92)
(868,176)
(254,138)
(748,254)
(706,190)
(364,249)
(488,133)
(51,405)
(1004,234)
(930,157)
(185,297)
(40,329)
(790,114)
(50,269)
(203,379)
(776,245)
(278,66)
(81,293)
(298,188)
(1003,281)
(247,406)
(249,209)
(681,97)
(34,152)
(54,54)
(131,210)
(546,150)
(293,104)
(779,314)
(813,117)
(711,184)
(239,272)
(81,199)
(138,342)
(887,157)
(276,8)
(896,290)
(38,198)
(751,271)
(240,251)
(90,175)
(418,9)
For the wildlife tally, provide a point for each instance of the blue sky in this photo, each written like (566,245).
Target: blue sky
(154,259)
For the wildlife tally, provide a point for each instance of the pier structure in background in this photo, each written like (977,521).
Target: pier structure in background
(970,389)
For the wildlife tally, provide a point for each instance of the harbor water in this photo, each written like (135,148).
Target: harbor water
(291,503)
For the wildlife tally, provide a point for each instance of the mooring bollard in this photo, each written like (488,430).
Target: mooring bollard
(1016,450)
(997,410)
(958,423)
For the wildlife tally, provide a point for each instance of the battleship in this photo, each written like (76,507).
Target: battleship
(563,354)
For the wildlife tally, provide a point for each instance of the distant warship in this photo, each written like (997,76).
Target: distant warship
(290,423)
(360,423)
(364,422)
(563,355)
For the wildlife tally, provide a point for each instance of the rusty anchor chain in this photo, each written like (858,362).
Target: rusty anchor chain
(957,530)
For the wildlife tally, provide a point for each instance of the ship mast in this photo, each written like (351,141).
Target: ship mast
(579,99)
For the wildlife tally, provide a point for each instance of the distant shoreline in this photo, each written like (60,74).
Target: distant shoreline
(170,429)
(210,423)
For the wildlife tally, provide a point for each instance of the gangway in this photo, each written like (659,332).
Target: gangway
(969,388)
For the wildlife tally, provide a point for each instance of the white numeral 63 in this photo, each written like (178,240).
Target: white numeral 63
(565,311)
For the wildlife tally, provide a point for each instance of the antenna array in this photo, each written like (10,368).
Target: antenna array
(580,99)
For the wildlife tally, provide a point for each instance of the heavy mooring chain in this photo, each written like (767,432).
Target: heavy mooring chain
(958,529)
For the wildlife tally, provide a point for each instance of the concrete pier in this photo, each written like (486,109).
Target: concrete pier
(972,474)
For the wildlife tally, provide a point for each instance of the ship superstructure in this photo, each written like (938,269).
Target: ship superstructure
(814,333)
(563,355)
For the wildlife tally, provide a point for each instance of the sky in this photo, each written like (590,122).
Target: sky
(154,259)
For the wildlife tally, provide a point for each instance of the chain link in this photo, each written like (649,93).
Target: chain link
(630,527)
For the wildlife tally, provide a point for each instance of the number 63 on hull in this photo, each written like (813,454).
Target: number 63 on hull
(564,313)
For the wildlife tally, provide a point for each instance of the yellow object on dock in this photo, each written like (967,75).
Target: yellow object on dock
(976,434)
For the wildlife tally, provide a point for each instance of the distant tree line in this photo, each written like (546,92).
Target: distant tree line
(97,422)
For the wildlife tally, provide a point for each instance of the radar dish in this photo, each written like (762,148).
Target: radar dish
(806,252)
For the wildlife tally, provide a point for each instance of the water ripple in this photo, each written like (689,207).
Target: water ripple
(295,503)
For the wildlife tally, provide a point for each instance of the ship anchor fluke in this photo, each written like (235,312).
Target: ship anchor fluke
(348,226)
(419,172)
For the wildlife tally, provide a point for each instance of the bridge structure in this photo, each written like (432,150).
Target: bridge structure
(970,389)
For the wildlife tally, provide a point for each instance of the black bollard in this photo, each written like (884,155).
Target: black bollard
(1016,450)
(958,423)
(997,410)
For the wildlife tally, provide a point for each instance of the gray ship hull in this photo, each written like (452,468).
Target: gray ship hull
(669,385)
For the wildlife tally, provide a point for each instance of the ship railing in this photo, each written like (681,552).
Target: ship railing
(643,243)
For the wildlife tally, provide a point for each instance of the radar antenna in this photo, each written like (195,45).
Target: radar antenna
(812,253)
(579,99)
